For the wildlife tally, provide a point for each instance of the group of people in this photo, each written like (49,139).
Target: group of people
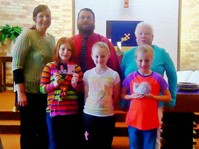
(67,90)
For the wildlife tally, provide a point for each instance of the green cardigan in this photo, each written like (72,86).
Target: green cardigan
(31,52)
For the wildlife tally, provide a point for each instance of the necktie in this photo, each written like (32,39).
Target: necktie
(83,55)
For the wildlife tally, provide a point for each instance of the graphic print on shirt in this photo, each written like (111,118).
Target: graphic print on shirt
(142,88)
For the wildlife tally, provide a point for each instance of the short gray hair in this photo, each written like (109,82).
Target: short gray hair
(143,24)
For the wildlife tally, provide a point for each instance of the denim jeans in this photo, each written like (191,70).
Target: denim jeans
(142,139)
(65,131)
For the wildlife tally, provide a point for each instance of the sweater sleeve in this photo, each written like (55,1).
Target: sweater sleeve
(46,84)
(172,78)
(20,49)
(123,65)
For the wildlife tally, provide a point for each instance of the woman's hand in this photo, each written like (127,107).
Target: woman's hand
(74,80)
(22,99)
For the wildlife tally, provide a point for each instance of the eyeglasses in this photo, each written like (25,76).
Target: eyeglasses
(89,18)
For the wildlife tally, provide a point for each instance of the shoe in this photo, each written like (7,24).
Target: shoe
(15,109)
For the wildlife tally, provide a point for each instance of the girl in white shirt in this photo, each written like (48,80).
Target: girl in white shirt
(102,90)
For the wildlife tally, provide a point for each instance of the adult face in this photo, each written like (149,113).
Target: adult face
(144,35)
(43,20)
(85,22)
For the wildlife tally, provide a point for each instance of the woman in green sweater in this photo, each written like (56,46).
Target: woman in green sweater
(31,52)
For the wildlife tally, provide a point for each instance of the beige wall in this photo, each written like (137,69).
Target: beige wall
(189,40)
(163,17)
(19,12)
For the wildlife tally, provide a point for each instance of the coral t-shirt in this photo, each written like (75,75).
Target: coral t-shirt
(143,112)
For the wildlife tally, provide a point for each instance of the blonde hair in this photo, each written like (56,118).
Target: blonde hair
(144,49)
(101,45)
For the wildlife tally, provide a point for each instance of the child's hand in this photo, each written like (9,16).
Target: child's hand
(57,79)
(149,95)
(74,80)
(136,96)
(63,92)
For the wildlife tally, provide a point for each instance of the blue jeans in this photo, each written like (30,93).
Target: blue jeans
(142,139)
(65,131)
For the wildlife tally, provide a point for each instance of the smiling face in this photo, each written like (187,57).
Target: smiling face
(65,52)
(144,35)
(85,22)
(144,58)
(43,19)
(100,56)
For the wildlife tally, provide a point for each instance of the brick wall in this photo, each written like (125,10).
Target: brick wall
(19,12)
(189,47)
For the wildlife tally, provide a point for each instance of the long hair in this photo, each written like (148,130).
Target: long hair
(63,40)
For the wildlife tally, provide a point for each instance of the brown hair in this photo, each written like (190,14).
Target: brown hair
(37,10)
(89,10)
(63,40)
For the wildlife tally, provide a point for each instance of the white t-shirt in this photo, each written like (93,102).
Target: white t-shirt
(100,90)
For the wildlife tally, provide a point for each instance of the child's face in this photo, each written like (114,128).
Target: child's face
(100,56)
(144,61)
(65,52)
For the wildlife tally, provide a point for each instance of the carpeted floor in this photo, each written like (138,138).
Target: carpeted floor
(11,141)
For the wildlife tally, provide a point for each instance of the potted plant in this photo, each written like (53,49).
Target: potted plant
(8,34)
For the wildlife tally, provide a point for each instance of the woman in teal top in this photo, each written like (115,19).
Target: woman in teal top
(162,63)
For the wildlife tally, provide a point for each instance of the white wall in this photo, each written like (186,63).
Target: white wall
(161,14)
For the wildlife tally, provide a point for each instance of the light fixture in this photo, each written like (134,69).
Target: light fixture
(126,3)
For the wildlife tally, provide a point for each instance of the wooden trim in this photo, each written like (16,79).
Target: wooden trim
(73,17)
(179,33)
